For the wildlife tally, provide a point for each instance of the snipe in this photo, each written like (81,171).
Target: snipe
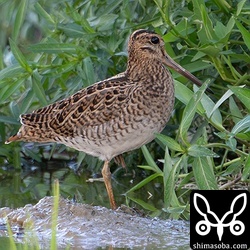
(115,115)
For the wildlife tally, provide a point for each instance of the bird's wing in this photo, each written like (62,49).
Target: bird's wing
(92,106)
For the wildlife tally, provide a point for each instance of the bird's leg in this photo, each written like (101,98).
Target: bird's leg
(119,160)
(107,180)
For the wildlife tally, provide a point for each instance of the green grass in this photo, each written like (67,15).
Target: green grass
(67,46)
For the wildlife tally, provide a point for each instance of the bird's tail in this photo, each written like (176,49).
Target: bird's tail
(16,137)
(32,129)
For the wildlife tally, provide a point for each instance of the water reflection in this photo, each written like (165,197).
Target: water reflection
(33,182)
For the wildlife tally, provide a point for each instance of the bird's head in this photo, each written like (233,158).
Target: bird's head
(147,46)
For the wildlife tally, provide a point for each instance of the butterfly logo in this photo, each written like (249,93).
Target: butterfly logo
(203,227)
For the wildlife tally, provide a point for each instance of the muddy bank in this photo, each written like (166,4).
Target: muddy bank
(83,226)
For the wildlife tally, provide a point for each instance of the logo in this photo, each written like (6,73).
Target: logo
(220,219)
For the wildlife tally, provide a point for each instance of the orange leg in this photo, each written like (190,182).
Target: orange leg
(107,180)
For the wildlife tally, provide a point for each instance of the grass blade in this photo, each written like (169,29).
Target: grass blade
(21,13)
(189,112)
(19,56)
(200,151)
(43,13)
(11,237)
(144,182)
(56,193)
(5,95)
(242,125)
(245,33)
(89,71)
(142,203)
(243,94)
(55,48)
(184,94)
(246,170)
(204,174)
(38,90)
(170,175)
(169,142)
(150,160)
(11,71)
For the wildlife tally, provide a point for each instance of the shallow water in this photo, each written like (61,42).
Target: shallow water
(29,185)
(83,226)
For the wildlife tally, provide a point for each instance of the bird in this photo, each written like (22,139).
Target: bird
(115,115)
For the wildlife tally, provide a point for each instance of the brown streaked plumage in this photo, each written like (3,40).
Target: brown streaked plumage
(115,115)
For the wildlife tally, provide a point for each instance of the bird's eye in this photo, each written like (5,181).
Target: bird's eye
(155,40)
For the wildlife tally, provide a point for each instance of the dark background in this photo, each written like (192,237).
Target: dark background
(220,203)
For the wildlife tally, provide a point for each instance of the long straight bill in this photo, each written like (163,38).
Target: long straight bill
(175,66)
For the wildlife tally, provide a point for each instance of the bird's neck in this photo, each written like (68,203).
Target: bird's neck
(151,71)
(153,78)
